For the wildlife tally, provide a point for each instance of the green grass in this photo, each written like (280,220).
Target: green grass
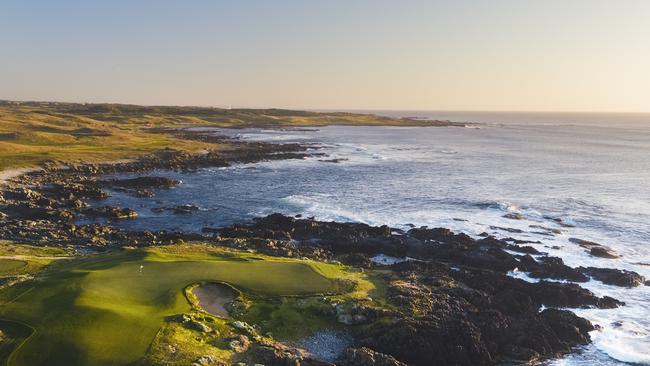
(11,266)
(33,133)
(12,336)
(14,249)
(22,259)
(106,310)
(176,345)
(286,319)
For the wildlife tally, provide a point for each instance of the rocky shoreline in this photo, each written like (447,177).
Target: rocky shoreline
(42,206)
(453,301)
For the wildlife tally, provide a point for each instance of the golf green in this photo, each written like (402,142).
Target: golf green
(107,309)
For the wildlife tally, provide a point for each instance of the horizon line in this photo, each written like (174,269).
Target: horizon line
(319,109)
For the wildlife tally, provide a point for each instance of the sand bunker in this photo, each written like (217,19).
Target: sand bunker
(214,297)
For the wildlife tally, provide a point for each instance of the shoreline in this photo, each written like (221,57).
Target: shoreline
(8,174)
(430,286)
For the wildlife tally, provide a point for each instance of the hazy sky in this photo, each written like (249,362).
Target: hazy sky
(565,55)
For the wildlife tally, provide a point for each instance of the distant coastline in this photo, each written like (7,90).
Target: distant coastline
(35,133)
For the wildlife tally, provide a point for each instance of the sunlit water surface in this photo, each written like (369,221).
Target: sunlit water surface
(592,171)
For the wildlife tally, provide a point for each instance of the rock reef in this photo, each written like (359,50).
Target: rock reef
(451,299)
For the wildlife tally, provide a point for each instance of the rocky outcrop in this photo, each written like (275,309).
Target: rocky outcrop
(42,206)
(612,276)
(550,267)
(596,249)
(366,357)
(454,303)
(139,186)
(111,212)
(140,182)
(604,252)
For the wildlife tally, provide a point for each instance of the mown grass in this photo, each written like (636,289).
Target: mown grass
(34,133)
(12,336)
(21,259)
(106,310)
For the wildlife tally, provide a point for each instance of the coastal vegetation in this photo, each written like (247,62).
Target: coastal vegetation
(32,133)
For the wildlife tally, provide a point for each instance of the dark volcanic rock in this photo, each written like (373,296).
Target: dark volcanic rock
(584,243)
(140,182)
(550,267)
(450,340)
(604,252)
(507,229)
(139,186)
(454,303)
(366,357)
(111,212)
(523,249)
(612,276)
(62,189)
(514,216)
(39,206)
(185,209)
(549,229)
(596,249)
(569,327)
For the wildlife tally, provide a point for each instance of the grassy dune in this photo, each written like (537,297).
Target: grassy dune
(107,310)
(30,136)
(33,133)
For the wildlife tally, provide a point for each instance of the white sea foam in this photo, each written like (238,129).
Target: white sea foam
(625,343)
(467,180)
(387,259)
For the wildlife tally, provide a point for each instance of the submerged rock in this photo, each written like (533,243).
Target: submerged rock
(514,216)
(184,209)
(545,228)
(604,252)
(585,243)
(141,182)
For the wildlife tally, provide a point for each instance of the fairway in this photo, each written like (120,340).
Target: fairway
(8,266)
(106,310)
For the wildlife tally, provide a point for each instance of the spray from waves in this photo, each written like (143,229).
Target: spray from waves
(622,334)
(273,137)
(324,208)
(417,185)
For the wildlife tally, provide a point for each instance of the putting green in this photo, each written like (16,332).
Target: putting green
(106,310)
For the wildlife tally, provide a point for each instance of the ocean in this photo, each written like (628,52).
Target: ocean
(589,170)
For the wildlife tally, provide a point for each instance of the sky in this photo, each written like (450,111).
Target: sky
(519,55)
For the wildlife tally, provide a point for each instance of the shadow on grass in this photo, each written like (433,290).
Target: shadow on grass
(13,335)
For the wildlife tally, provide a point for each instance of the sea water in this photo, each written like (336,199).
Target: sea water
(591,171)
